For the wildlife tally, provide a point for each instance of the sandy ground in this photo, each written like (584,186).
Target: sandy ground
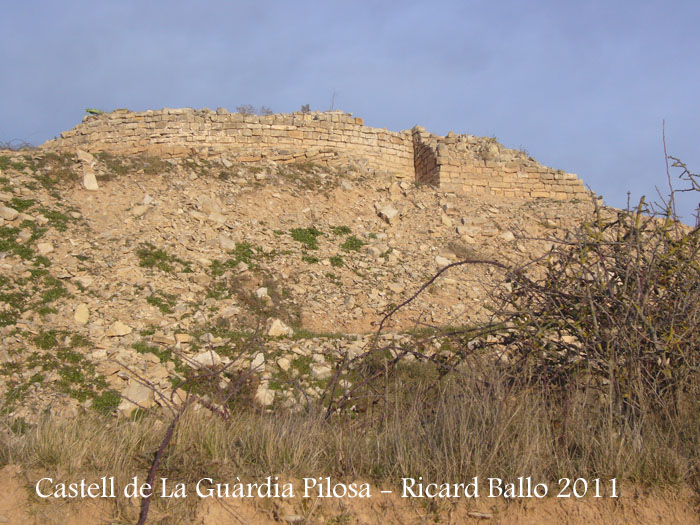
(19,505)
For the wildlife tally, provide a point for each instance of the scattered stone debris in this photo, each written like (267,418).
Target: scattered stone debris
(82,314)
(118,329)
(388,213)
(278,328)
(134,396)
(180,264)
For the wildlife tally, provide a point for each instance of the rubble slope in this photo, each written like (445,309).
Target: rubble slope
(165,265)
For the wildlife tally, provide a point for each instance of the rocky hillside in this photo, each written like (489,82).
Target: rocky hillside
(120,271)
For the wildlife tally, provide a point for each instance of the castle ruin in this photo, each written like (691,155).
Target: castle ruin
(463,164)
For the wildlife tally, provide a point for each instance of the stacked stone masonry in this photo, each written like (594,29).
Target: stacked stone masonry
(478,165)
(456,163)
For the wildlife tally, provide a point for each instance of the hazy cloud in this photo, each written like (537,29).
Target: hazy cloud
(583,86)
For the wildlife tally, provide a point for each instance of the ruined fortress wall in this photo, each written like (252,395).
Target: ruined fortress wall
(462,164)
(296,137)
(425,158)
(466,164)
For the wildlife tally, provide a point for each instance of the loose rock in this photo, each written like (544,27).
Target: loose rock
(44,248)
(82,314)
(118,329)
(278,328)
(135,396)
(9,214)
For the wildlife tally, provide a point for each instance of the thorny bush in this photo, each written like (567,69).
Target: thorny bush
(617,309)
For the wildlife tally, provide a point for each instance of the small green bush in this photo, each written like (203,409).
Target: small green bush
(151,257)
(46,340)
(306,236)
(21,204)
(352,244)
(106,402)
(341,230)
(164,302)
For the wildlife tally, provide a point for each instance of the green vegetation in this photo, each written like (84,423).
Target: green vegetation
(53,170)
(341,230)
(72,374)
(115,165)
(79,341)
(219,289)
(8,243)
(54,290)
(306,236)
(352,244)
(57,219)
(7,163)
(35,292)
(163,301)
(242,253)
(152,257)
(14,299)
(106,402)
(21,205)
(46,340)
(303,333)
(302,365)
(163,354)
(590,366)
(201,167)
(8,318)
(120,165)
(37,231)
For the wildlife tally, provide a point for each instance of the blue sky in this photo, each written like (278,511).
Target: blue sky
(582,86)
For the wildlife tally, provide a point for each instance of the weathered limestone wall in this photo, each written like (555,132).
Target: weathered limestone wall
(467,164)
(296,137)
(425,159)
(462,164)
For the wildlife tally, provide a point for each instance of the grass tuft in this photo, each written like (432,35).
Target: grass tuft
(306,236)
(352,244)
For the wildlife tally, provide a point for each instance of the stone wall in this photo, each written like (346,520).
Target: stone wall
(479,165)
(297,137)
(462,164)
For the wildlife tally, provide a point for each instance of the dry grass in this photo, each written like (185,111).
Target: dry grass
(452,430)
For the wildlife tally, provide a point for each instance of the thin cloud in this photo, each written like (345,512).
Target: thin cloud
(582,86)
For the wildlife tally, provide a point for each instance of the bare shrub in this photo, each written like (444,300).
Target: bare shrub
(472,423)
(246,109)
(590,365)
(16,145)
(249,109)
(618,309)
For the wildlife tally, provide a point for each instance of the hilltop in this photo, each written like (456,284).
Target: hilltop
(231,273)
(169,252)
